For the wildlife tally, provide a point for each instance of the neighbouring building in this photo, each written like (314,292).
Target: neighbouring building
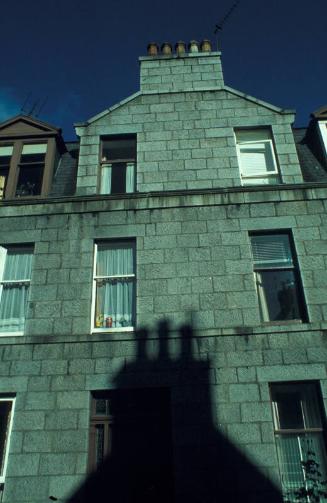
(163,307)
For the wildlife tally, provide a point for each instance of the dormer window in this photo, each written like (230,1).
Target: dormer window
(28,152)
(118,164)
(22,169)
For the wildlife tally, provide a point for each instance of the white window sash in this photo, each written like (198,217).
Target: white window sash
(16,283)
(96,279)
(242,147)
(248,139)
(8,436)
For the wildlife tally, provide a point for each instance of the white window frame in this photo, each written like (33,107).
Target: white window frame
(23,281)
(7,443)
(251,143)
(292,266)
(296,432)
(93,329)
(322,125)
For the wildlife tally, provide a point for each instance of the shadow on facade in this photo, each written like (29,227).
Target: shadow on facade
(153,461)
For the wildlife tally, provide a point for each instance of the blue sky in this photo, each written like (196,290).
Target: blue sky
(82,56)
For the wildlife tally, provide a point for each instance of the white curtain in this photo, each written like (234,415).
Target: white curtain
(14,296)
(114,295)
(263,304)
(130,170)
(106,179)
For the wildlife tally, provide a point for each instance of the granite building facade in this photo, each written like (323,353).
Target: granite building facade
(163,306)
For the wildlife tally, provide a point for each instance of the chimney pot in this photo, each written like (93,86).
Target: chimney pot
(180,48)
(152,49)
(166,49)
(205,46)
(193,46)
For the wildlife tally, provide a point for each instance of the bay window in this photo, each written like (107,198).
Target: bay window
(15,275)
(277,277)
(113,305)
(299,436)
(256,156)
(118,163)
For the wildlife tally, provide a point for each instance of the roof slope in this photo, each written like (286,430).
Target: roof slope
(309,152)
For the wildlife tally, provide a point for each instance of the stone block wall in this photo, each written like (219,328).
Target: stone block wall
(186,140)
(181,73)
(192,252)
(194,266)
(219,394)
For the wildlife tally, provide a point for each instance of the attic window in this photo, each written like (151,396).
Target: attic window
(26,168)
(118,163)
(256,155)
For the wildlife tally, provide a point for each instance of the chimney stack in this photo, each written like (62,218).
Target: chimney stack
(190,67)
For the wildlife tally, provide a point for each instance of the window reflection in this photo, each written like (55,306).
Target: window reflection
(276,276)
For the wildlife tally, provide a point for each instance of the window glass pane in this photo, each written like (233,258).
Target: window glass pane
(14,296)
(35,148)
(18,264)
(256,159)
(3,181)
(119,148)
(278,295)
(5,156)
(118,178)
(30,180)
(101,406)
(13,308)
(34,152)
(271,250)
(114,303)
(6,151)
(297,406)
(130,177)
(289,409)
(105,186)
(114,259)
(5,412)
(295,454)
(99,443)
(310,404)
(252,135)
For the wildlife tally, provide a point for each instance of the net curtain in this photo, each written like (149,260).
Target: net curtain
(16,265)
(106,173)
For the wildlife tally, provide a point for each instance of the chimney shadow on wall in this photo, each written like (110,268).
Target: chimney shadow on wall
(164,444)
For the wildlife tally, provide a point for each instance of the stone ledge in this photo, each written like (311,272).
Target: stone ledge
(164,199)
